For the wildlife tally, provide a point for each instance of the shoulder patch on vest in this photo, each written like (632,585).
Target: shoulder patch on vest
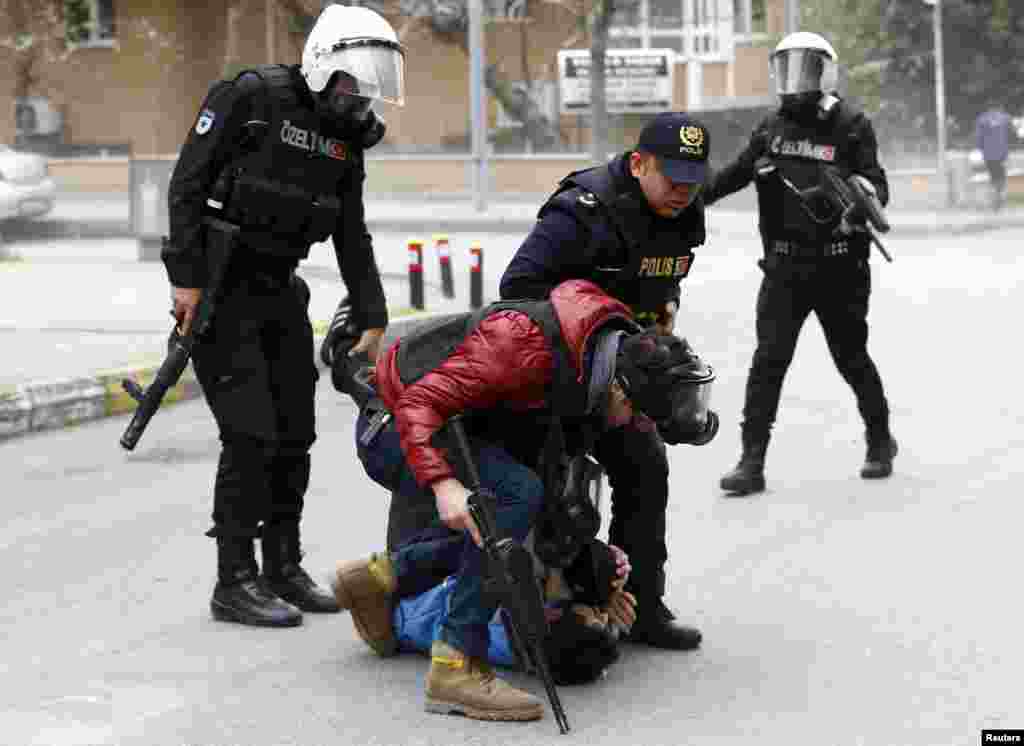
(205,122)
(587,199)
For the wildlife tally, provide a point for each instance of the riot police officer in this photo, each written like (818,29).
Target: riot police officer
(811,263)
(631,227)
(291,139)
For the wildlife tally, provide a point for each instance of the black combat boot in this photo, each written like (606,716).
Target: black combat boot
(656,626)
(285,576)
(748,476)
(241,595)
(882,449)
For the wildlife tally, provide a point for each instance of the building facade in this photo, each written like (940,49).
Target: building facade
(138,69)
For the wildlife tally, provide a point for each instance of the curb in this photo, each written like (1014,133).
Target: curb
(65,402)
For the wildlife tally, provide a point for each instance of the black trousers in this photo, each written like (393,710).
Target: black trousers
(997,174)
(255,366)
(635,461)
(836,289)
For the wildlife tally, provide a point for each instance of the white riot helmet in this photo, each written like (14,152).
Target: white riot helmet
(804,63)
(359,45)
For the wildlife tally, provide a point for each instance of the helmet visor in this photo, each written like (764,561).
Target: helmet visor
(802,71)
(691,398)
(377,67)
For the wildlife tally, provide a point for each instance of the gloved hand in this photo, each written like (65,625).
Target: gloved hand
(372,131)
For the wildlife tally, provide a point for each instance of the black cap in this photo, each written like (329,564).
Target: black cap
(682,144)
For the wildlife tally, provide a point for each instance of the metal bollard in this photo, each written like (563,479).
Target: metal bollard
(476,275)
(444,257)
(416,273)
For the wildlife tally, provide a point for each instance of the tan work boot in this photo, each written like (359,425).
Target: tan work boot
(365,588)
(458,683)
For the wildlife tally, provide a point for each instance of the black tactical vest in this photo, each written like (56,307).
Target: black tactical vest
(428,346)
(632,264)
(800,153)
(286,193)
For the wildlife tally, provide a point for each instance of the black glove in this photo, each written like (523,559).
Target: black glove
(373,130)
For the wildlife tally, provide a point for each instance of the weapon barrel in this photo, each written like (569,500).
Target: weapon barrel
(149,401)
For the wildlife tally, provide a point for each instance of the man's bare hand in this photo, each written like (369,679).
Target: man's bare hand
(452,505)
(621,609)
(185,301)
(666,322)
(369,342)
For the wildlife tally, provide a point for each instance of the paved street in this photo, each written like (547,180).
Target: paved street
(835,611)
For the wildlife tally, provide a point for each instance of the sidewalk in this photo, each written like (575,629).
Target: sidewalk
(78,316)
(82,215)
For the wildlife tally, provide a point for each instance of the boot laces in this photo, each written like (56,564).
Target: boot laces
(483,673)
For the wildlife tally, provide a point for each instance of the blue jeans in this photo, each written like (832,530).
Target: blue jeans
(520,494)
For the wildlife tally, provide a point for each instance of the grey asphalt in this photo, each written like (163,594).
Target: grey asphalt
(835,611)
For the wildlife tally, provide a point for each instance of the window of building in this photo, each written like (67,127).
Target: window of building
(693,28)
(90,22)
(749,17)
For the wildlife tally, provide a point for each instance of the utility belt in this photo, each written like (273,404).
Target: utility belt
(262,273)
(263,281)
(795,250)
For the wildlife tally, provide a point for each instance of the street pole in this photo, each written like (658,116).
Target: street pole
(478,121)
(792,13)
(940,103)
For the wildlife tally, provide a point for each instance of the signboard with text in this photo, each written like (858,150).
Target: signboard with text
(638,81)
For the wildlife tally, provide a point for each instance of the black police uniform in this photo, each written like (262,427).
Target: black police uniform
(598,226)
(809,265)
(298,179)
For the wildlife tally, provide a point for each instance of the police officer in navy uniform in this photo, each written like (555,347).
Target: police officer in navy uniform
(811,263)
(290,140)
(630,226)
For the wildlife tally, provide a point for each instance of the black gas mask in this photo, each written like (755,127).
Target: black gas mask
(340,101)
(801,107)
(571,516)
(666,380)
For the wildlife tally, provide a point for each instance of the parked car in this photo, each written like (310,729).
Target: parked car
(26,189)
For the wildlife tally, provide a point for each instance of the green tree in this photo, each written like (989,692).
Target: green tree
(984,61)
(854,27)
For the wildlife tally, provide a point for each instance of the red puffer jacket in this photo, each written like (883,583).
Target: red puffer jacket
(506,361)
